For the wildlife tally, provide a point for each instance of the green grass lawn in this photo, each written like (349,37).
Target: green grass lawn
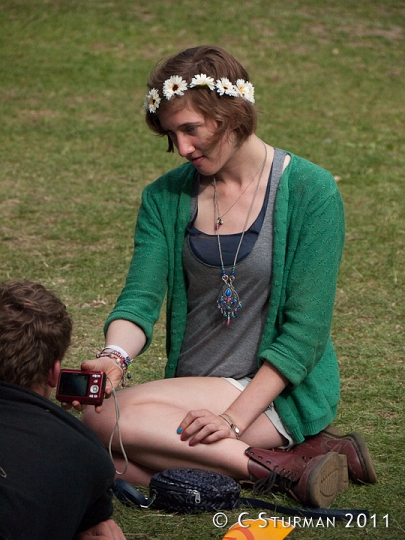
(75,155)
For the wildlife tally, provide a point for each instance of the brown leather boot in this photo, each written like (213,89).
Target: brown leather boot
(359,461)
(343,482)
(313,483)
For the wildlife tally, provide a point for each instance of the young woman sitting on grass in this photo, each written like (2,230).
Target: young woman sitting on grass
(245,240)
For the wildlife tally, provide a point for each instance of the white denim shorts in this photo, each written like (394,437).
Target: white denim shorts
(270,412)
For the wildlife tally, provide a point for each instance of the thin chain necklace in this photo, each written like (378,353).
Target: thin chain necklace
(228,301)
(219,221)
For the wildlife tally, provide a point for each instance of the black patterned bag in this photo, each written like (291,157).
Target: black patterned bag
(193,490)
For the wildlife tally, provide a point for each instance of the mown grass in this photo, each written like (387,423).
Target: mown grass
(75,155)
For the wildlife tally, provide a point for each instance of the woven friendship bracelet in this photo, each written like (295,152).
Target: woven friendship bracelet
(122,360)
(111,350)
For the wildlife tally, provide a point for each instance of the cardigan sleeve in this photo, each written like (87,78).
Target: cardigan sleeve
(142,296)
(309,238)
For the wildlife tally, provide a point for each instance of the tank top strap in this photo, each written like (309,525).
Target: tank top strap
(278,164)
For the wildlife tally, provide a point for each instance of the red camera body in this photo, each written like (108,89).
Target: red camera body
(86,387)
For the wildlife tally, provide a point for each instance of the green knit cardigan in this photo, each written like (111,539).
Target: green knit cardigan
(307,249)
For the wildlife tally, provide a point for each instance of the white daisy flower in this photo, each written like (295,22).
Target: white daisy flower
(174,85)
(152,100)
(203,80)
(245,90)
(224,86)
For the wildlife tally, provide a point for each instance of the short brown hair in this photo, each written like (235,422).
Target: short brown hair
(230,113)
(35,332)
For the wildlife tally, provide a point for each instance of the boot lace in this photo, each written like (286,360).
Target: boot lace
(281,480)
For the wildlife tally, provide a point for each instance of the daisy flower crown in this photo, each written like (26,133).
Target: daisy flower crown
(176,86)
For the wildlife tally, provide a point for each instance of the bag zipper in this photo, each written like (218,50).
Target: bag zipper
(171,487)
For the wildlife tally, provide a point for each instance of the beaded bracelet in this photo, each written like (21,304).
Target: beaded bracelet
(229,420)
(121,360)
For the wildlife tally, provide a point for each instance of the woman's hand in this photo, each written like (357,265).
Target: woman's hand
(114,375)
(204,427)
(111,369)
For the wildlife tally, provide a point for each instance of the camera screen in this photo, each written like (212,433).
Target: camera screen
(73,384)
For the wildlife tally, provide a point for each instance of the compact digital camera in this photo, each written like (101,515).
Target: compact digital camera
(86,387)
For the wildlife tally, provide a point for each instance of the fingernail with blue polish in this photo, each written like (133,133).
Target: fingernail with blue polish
(179,430)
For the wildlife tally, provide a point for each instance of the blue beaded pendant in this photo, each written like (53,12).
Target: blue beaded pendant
(228,299)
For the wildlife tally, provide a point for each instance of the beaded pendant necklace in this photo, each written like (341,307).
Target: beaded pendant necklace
(228,301)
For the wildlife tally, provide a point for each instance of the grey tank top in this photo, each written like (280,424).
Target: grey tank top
(210,347)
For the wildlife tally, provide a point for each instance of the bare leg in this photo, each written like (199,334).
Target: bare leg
(150,414)
(130,471)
